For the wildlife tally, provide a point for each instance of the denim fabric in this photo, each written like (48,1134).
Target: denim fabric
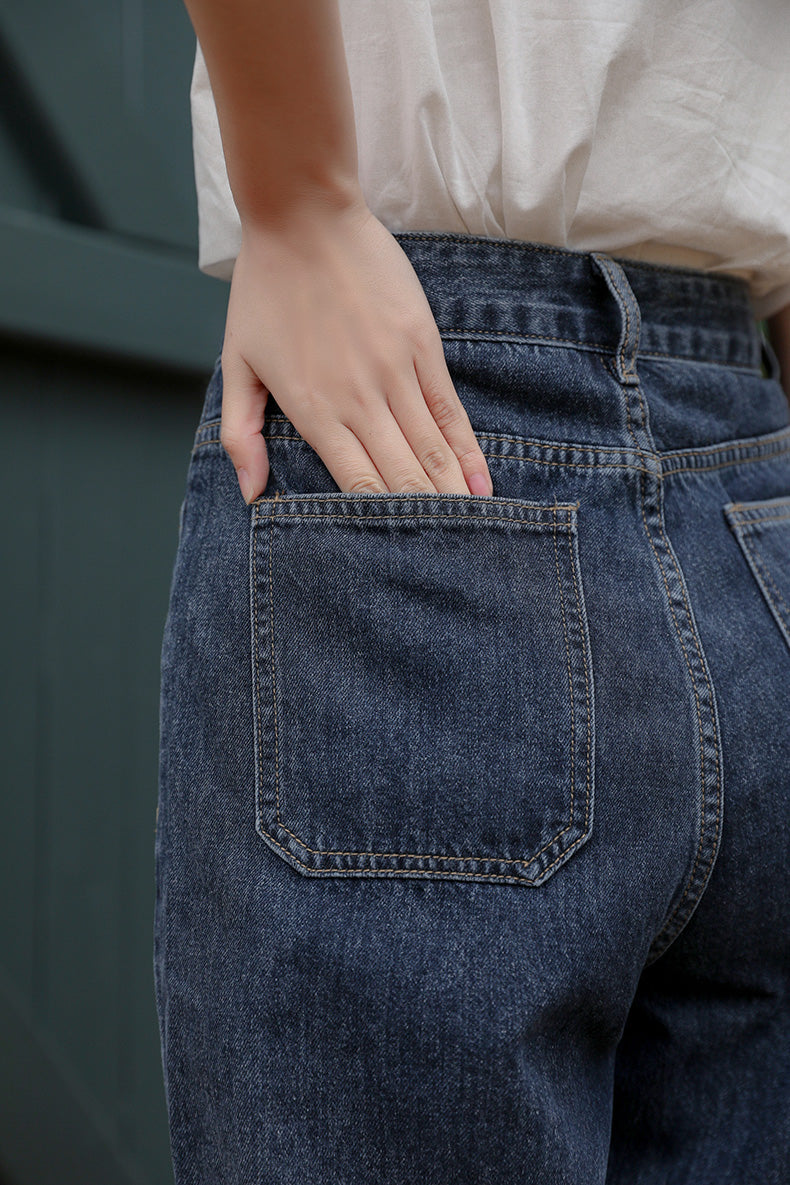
(472,850)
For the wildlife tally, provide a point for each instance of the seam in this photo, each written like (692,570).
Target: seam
(703,825)
(580,619)
(571,445)
(256,668)
(690,878)
(471,334)
(477,876)
(518,337)
(255,652)
(765,453)
(274,678)
(571,699)
(533,514)
(759,505)
(600,463)
(523,441)
(741,367)
(464,520)
(772,456)
(774,446)
(780,435)
(496,860)
(744,522)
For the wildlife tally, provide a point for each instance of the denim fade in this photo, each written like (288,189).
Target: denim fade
(473,837)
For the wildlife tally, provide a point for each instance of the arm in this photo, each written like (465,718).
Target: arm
(280,83)
(779,332)
(325,310)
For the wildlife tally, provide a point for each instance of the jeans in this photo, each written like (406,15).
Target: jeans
(474,816)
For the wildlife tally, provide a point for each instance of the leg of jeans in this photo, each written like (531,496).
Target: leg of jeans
(702,1086)
(446,886)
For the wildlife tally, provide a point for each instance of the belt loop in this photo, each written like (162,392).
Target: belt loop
(630,318)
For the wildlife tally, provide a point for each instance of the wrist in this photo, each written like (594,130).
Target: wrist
(300,203)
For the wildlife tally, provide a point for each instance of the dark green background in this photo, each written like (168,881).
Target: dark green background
(107,334)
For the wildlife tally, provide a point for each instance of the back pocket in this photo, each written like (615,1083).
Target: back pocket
(422,685)
(763,531)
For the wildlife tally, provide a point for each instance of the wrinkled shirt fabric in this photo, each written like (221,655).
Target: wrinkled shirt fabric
(654,131)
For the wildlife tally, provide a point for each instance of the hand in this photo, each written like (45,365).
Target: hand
(327,314)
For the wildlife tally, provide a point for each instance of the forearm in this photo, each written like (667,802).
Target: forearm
(779,331)
(280,82)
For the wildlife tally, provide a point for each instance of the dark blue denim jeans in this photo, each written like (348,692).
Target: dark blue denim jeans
(474,821)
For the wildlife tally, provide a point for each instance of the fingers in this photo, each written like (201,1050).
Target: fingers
(450,416)
(419,435)
(410,452)
(243,406)
(392,443)
(413,436)
(348,461)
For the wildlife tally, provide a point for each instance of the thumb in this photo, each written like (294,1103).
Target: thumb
(243,406)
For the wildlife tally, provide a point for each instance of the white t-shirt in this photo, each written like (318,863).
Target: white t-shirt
(650,129)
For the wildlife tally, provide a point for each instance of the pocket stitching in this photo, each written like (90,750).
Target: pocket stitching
(480,859)
(572,557)
(767,576)
(745,529)
(471,507)
(534,522)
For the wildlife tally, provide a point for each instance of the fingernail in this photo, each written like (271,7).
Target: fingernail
(479,485)
(246,485)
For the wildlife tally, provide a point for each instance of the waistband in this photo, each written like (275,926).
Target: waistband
(558,296)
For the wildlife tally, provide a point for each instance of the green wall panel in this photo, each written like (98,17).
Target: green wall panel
(93,472)
(107,334)
(70,285)
(98,214)
(81,77)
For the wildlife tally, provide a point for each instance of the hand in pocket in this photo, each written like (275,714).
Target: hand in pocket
(328,315)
